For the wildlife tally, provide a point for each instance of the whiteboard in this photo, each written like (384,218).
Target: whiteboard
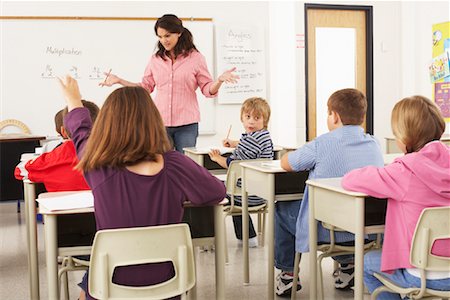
(33,52)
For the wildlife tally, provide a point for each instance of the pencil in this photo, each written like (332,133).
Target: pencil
(228,134)
(107,75)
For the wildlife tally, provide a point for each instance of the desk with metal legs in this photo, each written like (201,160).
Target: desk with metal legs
(52,251)
(352,211)
(268,181)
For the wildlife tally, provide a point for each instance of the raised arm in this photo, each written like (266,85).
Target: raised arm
(71,92)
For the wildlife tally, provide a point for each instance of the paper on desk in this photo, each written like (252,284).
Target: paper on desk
(72,201)
(222,150)
(272,164)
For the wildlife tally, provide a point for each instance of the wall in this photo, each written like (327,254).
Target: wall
(222,12)
(402,51)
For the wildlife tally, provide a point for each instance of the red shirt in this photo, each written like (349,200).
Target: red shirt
(176,84)
(55,170)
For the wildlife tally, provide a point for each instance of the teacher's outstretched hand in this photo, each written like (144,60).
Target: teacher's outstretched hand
(228,76)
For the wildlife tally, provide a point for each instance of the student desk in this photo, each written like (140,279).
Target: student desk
(51,242)
(11,147)
(352,211)
(391,145)
(200,156)
(270,182)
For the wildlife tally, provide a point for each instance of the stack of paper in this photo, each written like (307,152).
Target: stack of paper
(272,164)
(222,150)
(76,200)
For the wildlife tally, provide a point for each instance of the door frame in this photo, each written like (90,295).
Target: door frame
(369,57)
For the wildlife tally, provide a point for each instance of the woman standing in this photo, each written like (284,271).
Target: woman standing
(177,69)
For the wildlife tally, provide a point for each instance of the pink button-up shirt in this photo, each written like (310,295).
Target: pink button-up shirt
(176,84)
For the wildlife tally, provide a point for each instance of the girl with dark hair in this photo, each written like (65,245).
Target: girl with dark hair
(177,69)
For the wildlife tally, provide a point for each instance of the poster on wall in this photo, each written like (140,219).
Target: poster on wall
(439,67)
(241,47)
(442,98)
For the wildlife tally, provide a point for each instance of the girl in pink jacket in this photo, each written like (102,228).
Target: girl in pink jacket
(418,180)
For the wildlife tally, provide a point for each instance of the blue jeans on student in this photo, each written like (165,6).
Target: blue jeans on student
(183,136)
(286,213)
(372,264)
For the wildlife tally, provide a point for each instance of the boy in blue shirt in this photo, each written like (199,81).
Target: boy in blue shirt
(344,148)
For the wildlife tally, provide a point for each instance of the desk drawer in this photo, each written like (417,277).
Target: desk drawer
(290,183)
(375,211)
(76,230)
(200,220)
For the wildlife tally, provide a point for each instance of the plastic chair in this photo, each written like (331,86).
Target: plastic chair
(433,224)
(131,246)
(328,250)
(234,173)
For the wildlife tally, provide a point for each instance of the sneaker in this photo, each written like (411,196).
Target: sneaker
(252,242)
(284,283)
(344,277)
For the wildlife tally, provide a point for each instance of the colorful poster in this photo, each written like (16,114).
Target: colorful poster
(442,98)
(439,68)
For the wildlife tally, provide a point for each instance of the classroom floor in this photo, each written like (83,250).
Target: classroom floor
(14,271)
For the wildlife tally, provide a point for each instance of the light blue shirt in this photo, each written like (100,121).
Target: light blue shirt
(332,154)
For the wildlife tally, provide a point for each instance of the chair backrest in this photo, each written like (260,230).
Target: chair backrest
(134,246)
(234,173)
(433,224)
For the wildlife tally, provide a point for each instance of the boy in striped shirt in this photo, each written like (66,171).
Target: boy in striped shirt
(254,143)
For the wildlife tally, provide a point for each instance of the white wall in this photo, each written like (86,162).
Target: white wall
(402,51)
(221,12)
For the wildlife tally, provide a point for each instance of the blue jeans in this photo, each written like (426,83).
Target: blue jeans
(372,264)
(183,136)
(286,213)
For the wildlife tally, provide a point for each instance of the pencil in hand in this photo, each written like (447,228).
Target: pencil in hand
(226,142)
(107,75)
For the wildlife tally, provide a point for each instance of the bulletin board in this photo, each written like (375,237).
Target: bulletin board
(440,68)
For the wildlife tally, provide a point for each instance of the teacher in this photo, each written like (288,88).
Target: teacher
(177,69)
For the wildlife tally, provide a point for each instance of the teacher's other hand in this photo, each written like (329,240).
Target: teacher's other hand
(110,80)
(228,76)
(71,92)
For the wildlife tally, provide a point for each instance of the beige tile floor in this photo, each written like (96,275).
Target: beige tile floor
(14,273)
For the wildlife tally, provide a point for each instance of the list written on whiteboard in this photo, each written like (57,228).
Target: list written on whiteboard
(243,48)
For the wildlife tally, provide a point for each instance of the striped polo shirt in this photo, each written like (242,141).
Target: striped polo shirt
(257,144)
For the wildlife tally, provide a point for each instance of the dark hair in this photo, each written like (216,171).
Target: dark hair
(350,104)
(173,24)
(129,129)
(59,121)
(93,112)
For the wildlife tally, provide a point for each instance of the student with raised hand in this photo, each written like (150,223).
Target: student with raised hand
(413,182)
(55,169)
(254,143)
(177,69)
(345,147)
(135,177)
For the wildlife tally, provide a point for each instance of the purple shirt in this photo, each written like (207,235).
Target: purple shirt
(126,199)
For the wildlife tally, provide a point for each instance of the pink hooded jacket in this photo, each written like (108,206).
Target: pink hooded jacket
(411,183)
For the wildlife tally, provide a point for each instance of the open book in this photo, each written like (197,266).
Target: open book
(76,200)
